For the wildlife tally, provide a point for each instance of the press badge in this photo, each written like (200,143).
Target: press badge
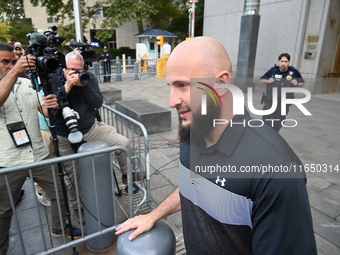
(18,133)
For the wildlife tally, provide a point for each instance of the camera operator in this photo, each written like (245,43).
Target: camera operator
(85,98)
(18,118)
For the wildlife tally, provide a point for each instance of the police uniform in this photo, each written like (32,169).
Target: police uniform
(106,64)
(282,79)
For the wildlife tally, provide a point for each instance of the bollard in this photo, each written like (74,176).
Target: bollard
(160,240)
(124,63)
(136,70)
(95,66)
(160,67)
(118,70)
(129,61)
(105,196)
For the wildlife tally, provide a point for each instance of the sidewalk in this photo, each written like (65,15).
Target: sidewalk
(315,139)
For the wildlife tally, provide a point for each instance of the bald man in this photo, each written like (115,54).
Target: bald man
(228,212)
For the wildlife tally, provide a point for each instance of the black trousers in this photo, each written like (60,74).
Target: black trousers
(107,71)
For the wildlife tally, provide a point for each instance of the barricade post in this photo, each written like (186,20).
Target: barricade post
(98,198)
(118,70)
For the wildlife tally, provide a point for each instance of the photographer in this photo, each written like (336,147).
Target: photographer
(84,97)
(18,116)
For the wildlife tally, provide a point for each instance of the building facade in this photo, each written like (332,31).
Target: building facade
(306,29)
(123,36)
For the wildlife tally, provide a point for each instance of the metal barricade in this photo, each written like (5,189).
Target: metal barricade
(126,69)
(43,238)
(132,129)
(138,136)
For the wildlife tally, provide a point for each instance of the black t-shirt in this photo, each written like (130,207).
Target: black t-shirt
(282,79)
(251,215)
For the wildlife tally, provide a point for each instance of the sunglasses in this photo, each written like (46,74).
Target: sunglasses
(18,48)
(7,62)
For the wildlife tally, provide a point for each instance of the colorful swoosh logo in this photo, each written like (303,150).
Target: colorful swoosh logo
(209,93)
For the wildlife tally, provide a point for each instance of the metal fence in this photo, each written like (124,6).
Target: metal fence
(139,139)
(137,134)
(130,68)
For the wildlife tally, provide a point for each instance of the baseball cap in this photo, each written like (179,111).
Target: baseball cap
(105,47)
(17,44)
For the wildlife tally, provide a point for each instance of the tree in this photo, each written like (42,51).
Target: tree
(123,11)
(4,31)
(12,16)
(146,13)
(165,11)
(180,22)
(63,11)
(19,29)
(12,9)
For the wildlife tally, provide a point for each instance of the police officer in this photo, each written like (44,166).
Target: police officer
(281,75)
(106,57)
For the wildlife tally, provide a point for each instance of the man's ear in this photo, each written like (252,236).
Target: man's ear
(223,77)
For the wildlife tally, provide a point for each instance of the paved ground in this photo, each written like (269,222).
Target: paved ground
(315,139)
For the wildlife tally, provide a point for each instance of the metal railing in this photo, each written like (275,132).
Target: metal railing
(121,68)
(138,136)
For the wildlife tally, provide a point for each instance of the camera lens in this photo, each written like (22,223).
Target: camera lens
(70,119)
(84,76)
(48,63)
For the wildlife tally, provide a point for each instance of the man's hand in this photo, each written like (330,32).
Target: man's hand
(77,50)
(72,79)
(267,81)
(294,83)
(51,101)
(141,223)
(271,80)
(24,64)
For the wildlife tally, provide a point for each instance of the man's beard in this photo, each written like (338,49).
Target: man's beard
(200,126)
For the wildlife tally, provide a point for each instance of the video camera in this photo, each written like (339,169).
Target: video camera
(48,59)
(79,45)
(88,55)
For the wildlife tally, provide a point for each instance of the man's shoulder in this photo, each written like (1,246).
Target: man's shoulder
(293,69)
(273,68)
(24,83)
(273,143)
(23,80)
(271,71)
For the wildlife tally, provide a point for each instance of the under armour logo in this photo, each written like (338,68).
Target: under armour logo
(221,181)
